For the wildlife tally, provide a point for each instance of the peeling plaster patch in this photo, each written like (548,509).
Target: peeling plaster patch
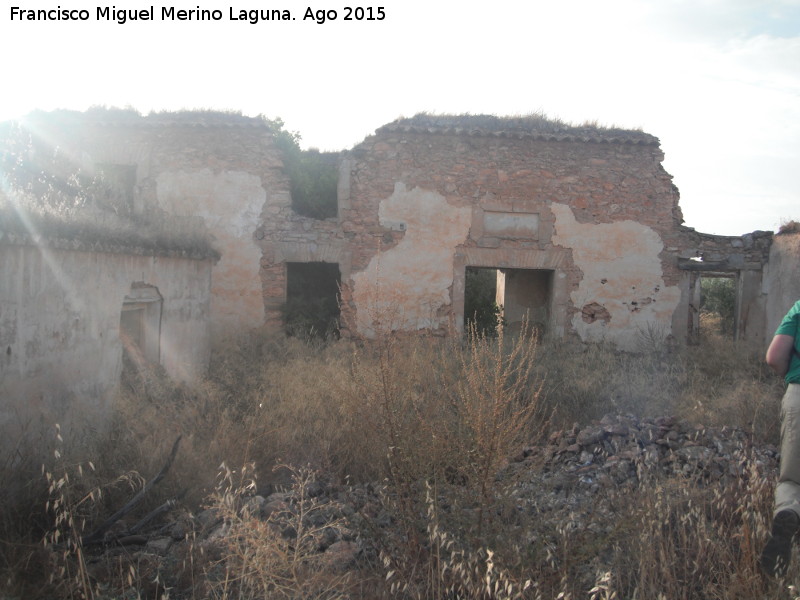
(230,204)
(622,292)
(595,312)
(406,287)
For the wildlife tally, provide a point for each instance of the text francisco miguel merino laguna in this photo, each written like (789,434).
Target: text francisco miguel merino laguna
(170,13)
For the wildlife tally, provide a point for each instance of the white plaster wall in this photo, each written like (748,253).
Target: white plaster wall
(622,272)
(230,204)
(781,279)
(405,288)
(60,352)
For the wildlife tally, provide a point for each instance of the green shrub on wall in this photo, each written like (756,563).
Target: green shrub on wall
(313,175)
(46,193)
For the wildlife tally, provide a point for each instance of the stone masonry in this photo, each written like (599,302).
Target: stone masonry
(425,198)
(582,225)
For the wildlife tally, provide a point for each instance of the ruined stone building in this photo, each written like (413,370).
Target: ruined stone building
(133,257)
(192,234)
(583,225)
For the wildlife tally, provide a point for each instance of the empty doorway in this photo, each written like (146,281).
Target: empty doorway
(526,296)
(718,304)
(481,309)
(140,326)
(508,297)
(312,299)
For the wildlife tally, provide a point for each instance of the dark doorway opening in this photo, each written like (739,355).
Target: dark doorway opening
(481,310)
(140,329)
(312,300)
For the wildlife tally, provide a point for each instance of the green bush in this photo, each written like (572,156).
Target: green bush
(313,175)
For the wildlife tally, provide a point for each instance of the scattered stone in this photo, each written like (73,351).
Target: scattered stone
(341,556)
(160,546)
(566,480)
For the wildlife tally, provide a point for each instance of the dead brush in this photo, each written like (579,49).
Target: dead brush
(497,404)
(451,571)
(22,501)
(447,411)
(74,499)
(411,411)
(273,557)
(694,541)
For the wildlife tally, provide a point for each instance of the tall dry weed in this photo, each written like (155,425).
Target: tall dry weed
(496,403)
(451,570)
(446,412)
(75,506)
(692,541)
(259,558)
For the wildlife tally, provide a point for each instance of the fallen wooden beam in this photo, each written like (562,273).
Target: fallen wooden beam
(96,536)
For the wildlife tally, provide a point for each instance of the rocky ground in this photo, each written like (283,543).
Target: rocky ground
(578,479)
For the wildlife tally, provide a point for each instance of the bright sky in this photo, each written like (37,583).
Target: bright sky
(718,81)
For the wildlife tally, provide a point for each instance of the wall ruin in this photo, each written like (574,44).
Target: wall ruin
(423,202)
(61,309)
(207,172)
(589,211)
(582,225)
(781,283)
(743,258)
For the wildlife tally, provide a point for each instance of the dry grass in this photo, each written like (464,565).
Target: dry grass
(434,419)
(788,227)
(258,560)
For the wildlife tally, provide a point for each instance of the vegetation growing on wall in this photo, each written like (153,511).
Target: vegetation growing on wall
(788,227)
(45,194)
(536,123)
(50,181)
(313,175)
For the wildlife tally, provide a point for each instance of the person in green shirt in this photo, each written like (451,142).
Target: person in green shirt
(783,356)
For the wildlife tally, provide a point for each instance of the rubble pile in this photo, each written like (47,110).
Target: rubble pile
(623,450)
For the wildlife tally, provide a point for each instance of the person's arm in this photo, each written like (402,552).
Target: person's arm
(779,353)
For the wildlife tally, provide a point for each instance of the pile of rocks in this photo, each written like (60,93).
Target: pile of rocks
(575,471)
(621,450)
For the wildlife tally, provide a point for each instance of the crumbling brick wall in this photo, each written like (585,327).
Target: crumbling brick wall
(590,211)
(595,207)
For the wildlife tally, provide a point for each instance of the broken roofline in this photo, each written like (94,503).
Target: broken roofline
(124,117)
(154,236)
(536,127)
